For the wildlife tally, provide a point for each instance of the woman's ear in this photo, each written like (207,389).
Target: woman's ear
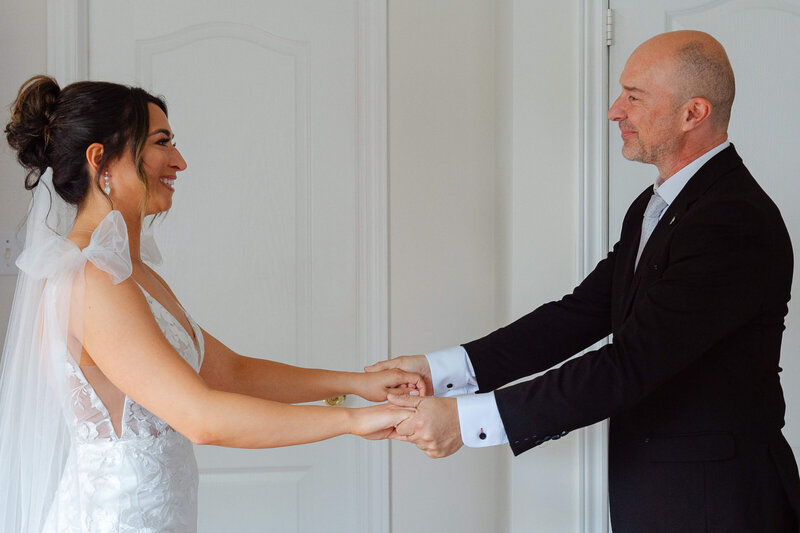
(94,153)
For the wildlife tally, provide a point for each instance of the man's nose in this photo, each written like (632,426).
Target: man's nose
(615,112)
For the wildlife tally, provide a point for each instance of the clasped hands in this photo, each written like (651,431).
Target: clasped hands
(433,424)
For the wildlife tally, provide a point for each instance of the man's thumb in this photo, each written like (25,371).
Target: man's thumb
(376,367)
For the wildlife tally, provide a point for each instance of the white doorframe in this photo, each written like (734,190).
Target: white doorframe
(67,40)
(593,236)
(373,227)
(68,60)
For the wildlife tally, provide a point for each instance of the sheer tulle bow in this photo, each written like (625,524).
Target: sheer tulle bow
(108,250)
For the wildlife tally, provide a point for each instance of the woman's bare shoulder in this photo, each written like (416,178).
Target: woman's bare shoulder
(101,290)
(79,238)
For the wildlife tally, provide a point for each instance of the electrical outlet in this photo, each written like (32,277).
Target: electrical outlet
(10,248)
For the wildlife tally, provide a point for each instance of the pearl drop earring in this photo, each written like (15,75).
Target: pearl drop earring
(107,188)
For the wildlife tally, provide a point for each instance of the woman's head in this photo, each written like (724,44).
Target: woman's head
(85,130)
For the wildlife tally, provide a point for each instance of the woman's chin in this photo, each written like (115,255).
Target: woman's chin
(155,208)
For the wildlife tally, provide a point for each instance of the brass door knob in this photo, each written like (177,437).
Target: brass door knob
(336,400)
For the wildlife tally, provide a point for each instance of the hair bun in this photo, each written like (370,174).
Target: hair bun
(28,132)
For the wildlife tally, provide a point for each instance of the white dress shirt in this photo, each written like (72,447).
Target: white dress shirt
(452,372)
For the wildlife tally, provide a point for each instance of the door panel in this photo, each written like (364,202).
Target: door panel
(271,243)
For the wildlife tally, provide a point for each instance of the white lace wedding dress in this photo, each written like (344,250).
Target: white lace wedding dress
(143,480)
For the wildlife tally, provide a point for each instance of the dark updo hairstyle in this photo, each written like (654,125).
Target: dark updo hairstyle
(53,127)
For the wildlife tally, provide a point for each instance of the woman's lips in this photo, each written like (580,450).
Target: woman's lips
(168,182)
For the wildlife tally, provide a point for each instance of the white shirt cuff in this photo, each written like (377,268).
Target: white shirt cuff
(451,372)
(480,421)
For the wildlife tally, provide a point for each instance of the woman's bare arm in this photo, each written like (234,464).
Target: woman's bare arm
(224,369)
(125,342)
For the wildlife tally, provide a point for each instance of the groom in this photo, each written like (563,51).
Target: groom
(695,294)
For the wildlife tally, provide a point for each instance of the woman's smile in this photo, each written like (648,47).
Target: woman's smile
(168,182)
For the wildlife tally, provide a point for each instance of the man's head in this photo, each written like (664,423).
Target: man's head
(677,92)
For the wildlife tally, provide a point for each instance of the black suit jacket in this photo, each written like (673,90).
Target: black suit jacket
(690,380)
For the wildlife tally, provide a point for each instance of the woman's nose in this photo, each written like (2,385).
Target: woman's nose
(179,162)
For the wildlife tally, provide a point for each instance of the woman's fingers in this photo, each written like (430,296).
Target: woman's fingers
(412,380)
(380,417)
(407,388)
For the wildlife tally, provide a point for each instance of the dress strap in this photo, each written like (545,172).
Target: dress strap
(108,249)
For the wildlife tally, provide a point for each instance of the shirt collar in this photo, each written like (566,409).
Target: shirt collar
(669,189)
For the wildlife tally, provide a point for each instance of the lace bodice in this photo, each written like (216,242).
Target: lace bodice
(143,480)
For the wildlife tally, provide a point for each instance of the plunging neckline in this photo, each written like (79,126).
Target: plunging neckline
(193,336)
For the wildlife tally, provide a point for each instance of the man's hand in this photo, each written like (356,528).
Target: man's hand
(375,385)
(434,428)
(416,364)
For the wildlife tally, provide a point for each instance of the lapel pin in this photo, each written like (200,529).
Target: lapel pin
(673,219)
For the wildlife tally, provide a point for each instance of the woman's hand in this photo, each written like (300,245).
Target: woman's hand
(375,386)
(378,421)
(414,364)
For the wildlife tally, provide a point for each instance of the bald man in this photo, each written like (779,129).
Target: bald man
(694,293)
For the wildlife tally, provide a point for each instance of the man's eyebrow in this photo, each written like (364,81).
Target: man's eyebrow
(162,130)
(633,89)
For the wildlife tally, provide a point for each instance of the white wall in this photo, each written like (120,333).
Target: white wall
(483,150)
(22,29)
(442,235)
(484,146)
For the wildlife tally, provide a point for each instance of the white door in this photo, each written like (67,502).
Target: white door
(762,39)
(276,240)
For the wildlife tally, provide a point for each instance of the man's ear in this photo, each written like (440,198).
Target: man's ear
(696,111)
(94,153)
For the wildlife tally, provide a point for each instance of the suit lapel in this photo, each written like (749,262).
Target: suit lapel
(708,174)
(634,234)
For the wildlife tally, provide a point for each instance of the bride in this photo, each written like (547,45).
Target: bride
(106,380)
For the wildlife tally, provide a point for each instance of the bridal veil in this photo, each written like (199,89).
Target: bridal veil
(39,402)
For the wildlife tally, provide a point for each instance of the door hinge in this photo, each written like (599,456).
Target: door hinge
(609,27)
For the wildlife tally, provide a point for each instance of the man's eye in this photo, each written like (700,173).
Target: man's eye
(632,98)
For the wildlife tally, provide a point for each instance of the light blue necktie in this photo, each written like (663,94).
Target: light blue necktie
(651,215)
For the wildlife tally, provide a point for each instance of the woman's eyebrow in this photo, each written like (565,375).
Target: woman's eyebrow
(164,131)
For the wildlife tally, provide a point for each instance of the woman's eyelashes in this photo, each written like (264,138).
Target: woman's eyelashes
(166,141)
